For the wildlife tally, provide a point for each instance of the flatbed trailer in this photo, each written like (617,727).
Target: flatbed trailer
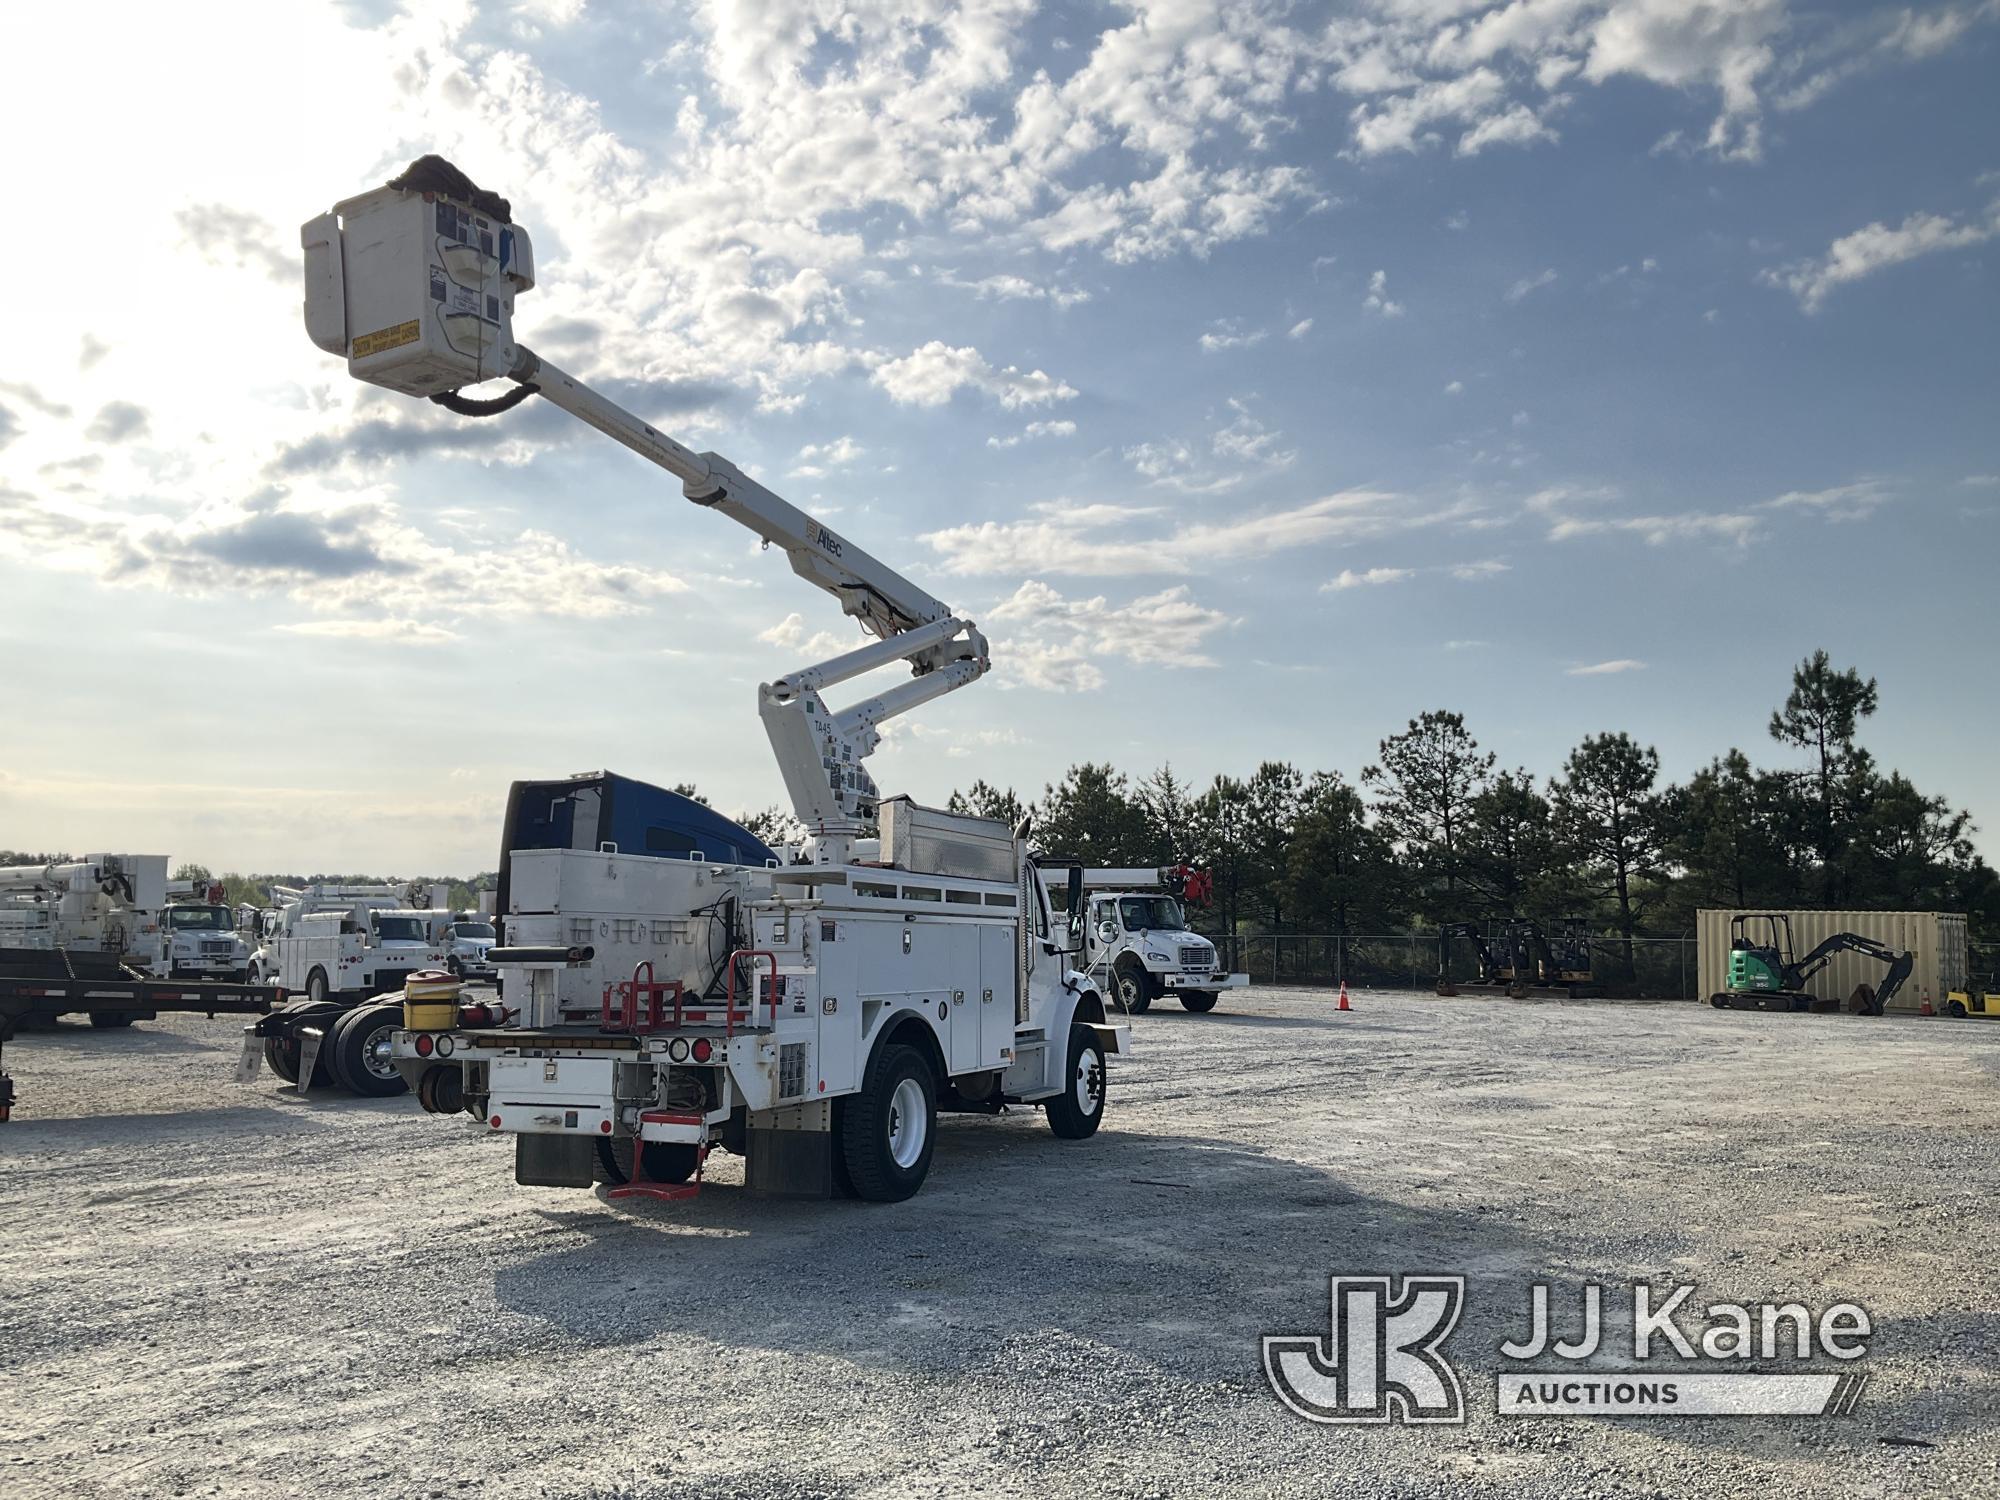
(41,985)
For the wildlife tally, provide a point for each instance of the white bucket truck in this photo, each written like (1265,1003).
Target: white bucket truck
(1138,945)
(812,1017)
(102,903)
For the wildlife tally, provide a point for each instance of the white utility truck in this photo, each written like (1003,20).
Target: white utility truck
(812,1017)
(329,941)
(1138,945)
(468,937)
(198,940)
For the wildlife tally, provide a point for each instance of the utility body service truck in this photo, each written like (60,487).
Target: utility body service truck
(1137,943)
(657,1004)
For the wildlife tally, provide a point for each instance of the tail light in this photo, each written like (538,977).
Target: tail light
(425,1044)
(702,1049)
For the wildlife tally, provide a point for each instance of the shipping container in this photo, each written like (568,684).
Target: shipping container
(1935,941)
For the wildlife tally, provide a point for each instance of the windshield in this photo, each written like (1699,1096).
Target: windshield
(200,919)
(400,929)
(479,930)
(1151,914)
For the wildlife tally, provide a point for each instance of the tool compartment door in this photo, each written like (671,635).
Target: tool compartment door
(997,977)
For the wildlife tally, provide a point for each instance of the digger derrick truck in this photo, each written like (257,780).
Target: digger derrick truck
(813,1017)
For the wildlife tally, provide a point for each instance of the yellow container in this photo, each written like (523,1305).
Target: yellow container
(430,1001)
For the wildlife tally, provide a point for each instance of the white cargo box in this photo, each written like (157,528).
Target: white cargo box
(927,841)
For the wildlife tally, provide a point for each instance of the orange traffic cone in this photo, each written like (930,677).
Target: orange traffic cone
(1925,1008)
(1343,997)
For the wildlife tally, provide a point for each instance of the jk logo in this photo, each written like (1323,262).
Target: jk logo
(1381,1361)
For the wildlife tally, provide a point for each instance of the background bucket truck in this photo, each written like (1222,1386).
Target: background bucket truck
(812,1017)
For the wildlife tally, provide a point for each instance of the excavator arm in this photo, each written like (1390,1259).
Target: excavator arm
(1900,964)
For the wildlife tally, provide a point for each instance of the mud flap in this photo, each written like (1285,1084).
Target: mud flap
(1114,1039)
(555,1161)
(251,1058)
(310,1038)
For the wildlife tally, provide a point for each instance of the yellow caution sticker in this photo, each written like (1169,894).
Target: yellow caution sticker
(387,338)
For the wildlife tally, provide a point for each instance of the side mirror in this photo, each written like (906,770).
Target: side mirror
(1075,893)
(1107,932)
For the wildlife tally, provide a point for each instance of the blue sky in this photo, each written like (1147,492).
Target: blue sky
(1257,376)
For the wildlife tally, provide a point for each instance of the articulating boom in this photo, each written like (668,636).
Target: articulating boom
(415,283)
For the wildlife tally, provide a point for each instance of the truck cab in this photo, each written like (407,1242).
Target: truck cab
(198,939)
(467,939)
(1140,944)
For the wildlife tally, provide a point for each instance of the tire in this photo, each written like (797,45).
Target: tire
(109,1020)
(282,1059)
(1134,987)
(888,1130)
(358,1045)
(1951,1008)
(666,1161)
(458,972)
(317,989)
(1078,1110)
(1201,1002)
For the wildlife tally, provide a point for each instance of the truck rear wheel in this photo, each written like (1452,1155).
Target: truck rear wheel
(665,1161)
(359,1045)
(1076,1112)
(109,1020)
(284,1050)
(1135,989)
(1201,1002)
(889,1129)
(316,986)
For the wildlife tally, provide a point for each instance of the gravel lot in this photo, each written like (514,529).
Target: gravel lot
(217,1289)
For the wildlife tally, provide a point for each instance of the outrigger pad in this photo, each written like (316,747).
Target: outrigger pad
(555,1161)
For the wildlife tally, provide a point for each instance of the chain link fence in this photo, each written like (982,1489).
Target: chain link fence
(1661,968)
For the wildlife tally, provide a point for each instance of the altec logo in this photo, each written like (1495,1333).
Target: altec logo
(1381,1363)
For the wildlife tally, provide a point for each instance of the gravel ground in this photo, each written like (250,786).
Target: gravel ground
(218,1289)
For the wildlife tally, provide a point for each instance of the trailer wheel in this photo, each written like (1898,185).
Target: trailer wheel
(109,1020)
(889,1129)
(1135,989)
(1078,1110)
(359,1045)
(284,1051)
(665,1161)
(316,986)
(1201,1002)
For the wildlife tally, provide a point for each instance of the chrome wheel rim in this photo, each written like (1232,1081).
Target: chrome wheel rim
(909,1123)
(1088,1084)
(377,1051)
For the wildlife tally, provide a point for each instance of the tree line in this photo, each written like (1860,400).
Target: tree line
(1436,830)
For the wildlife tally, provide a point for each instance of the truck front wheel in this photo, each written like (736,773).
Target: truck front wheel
(1201,1002)
(889,1129)
(1078,1110)
(1135,990)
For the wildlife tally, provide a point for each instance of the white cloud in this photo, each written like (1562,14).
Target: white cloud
(1349,579)
(1377,300)
(1058,429)
(1607,668)
(1299,329)
(1108,540)
(930,375)
(816,460)
(1229,334)
(1876,248)
(1529,284)
(1055,643)
(1657,531)
(410,632)
(1846,502)
(1455,388)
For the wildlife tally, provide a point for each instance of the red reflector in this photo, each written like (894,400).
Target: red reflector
(605,1126)
(425,1044)
(701,1049)
(495,1122)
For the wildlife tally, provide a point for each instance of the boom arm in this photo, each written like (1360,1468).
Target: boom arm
(415,283)
(1900,964)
